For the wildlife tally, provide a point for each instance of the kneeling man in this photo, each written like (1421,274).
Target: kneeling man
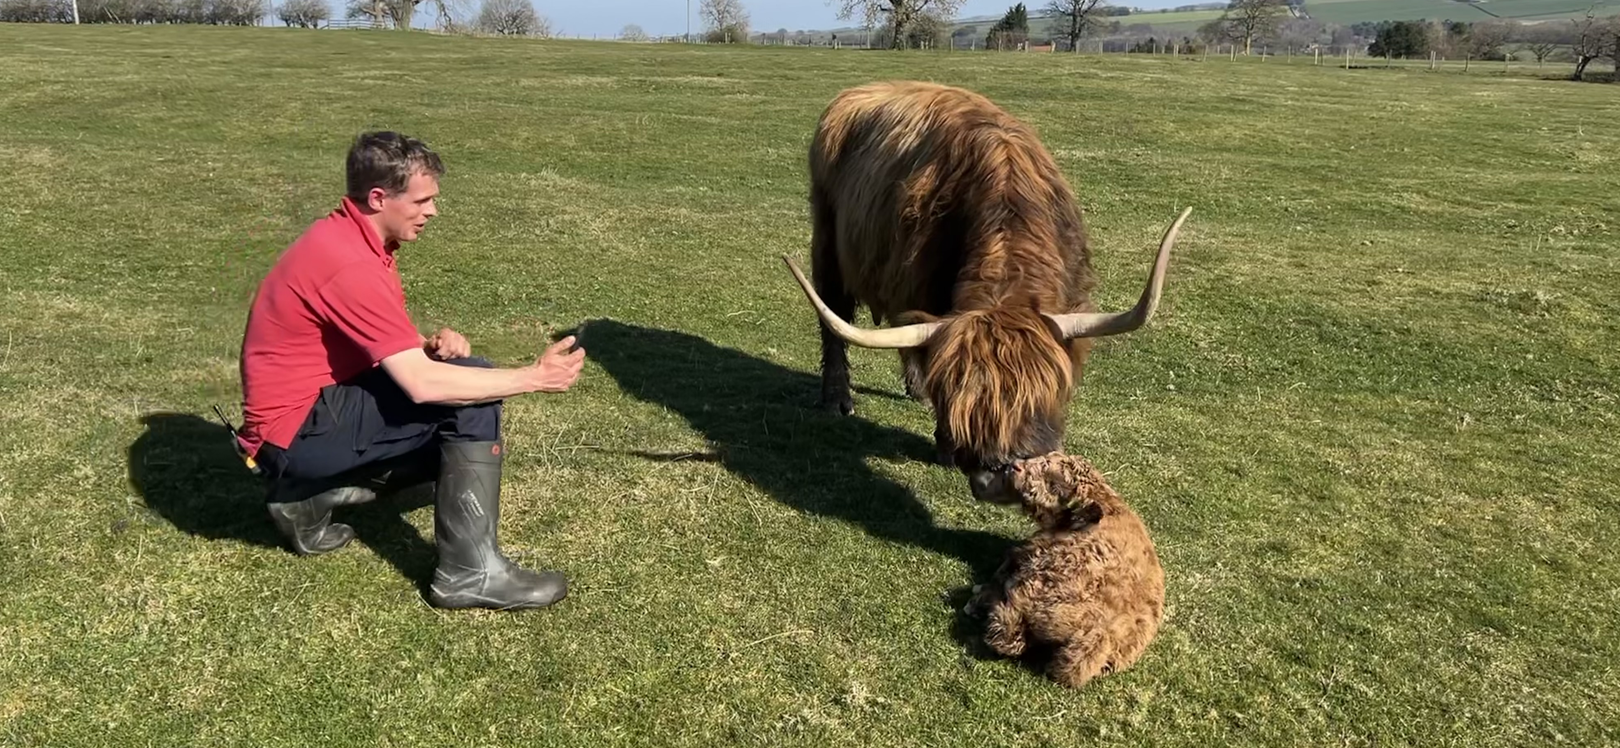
(338,385)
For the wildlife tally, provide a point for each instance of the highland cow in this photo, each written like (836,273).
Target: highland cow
(946,217)
(1088,585)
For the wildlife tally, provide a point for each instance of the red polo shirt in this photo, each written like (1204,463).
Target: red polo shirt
(331,308)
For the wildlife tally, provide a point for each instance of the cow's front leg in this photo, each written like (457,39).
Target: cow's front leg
(944,448)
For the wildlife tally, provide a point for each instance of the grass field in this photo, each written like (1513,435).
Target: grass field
(1372,429)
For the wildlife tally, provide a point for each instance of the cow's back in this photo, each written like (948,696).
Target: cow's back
(926,184)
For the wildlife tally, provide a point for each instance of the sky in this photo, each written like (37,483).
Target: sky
(666,17)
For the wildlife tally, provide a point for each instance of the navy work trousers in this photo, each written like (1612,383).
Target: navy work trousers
(370,419)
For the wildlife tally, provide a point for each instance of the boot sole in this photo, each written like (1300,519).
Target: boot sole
(463,602)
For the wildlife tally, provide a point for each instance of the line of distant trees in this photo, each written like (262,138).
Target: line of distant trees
(1251,26)
(1581,41)
(211,12)
(1070,25)
(494,17)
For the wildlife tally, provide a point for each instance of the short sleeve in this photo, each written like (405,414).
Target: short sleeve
(367,309)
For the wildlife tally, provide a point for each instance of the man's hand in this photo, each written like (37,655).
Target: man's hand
(447,344)
(557,369)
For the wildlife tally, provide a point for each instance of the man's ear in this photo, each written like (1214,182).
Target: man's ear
(375,197)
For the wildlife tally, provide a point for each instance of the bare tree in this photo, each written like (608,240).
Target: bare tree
(1540,39)
(1542,48)
(928,31)
(235,12)
(1248,20)
(1485,39)
(633,33)
(1215,32)
(901,13)
(402,13)
(1612,29)
(306,14)
(35,11)
(1592,40)
(1073,19)
(1299,33)
(511,18)
(376,10)
(726,20)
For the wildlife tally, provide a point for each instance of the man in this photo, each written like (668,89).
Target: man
(341,393)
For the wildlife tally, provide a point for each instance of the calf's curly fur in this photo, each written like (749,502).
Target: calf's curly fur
(1088,584)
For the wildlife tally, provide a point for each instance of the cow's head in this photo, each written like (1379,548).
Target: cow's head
(999,379)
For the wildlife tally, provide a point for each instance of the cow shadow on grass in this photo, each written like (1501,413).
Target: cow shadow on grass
(184,469)
(762,424)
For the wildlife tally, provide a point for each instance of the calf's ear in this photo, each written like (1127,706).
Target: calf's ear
(1085,515)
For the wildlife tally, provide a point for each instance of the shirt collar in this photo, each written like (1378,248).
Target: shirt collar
(373,240)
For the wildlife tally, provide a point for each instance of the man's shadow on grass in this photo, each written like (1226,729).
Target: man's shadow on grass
(185,470)
(762,424)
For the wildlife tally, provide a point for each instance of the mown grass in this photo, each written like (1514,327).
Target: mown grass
(1371,428)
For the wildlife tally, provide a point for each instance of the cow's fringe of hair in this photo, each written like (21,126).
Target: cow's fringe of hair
(990,371)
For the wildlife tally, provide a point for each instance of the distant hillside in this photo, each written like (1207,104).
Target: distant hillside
(1187,18)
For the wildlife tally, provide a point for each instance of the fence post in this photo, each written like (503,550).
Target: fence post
(1346,57)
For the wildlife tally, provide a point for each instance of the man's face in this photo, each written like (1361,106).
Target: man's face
(403,216)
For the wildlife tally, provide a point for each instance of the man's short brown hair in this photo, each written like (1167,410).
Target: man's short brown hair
(387,159)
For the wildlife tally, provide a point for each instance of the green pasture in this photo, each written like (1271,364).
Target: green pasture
(1372,428)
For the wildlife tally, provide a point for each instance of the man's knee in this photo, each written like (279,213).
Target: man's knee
(478,423)
(475,422)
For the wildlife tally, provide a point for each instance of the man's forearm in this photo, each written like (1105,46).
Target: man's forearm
(427,381)
(448,384)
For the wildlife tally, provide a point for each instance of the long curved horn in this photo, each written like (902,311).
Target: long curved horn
(1096,324)
(907,336)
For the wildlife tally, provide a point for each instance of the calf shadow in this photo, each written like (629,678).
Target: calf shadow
(185,470)
(760,421)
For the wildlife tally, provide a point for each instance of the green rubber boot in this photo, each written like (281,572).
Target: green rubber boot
(472,571)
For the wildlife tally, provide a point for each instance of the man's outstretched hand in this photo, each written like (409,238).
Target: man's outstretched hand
(557,368)
(447,344)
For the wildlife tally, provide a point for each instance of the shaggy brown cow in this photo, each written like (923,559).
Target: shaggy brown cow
(1088,584)
(943,214)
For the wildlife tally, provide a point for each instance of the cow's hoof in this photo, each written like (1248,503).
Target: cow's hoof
(840,406)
